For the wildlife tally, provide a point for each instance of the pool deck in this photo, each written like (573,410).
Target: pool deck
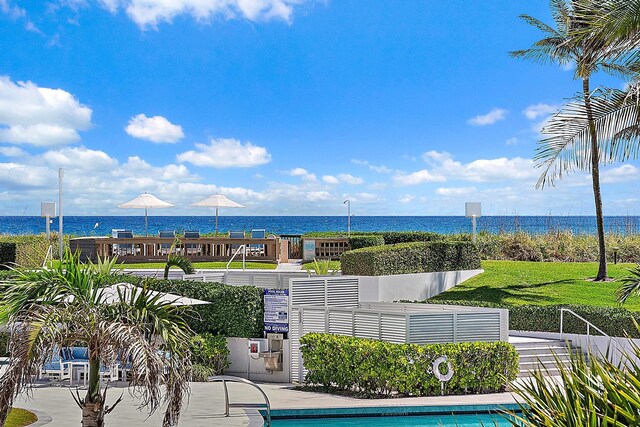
(206,404)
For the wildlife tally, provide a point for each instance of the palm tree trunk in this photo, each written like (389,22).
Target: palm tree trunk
(93,406)
(595,177)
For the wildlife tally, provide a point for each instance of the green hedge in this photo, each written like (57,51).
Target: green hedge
(377,368)
(359,242)
(209,356)
(7,255)
(236,311)
(408,258)
(614,321)
(394,237)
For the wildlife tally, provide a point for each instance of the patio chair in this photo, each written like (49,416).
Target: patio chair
(125,248)
(192,248)
(235,235)
(165,248)
(257,250)
(56,368)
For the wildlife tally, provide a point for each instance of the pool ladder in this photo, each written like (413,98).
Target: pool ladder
(228,378)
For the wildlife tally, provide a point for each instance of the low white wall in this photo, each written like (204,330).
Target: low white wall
(411,287)
(250,367)
(596,344)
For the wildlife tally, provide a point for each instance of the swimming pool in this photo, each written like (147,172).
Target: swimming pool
(412,416)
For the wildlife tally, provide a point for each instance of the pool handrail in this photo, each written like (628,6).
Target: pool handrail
(228,378)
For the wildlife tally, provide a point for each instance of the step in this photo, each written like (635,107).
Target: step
(549,357)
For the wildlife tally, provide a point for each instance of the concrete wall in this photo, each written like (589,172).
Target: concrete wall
(245,366)
(411,287)
(597,345)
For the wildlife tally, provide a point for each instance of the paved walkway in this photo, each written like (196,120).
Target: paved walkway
(206,404)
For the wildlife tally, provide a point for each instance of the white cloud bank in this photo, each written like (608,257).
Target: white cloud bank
(40,116)
(532,112)
(226,153)
(490,118)
(155,129)
(149,13)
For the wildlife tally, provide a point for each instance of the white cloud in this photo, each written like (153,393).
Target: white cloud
(226,153)
(490,118)
(148,13)
(303,173)
(20,176)
(40,116)
(14,12)
(79,158)
(512,141)
(455,191)
(407,198)
(379,169)
(330,179)
(363,198)
(12,152)
(622,173)
(350,179)
(419,177)
(155,129)
(533,112)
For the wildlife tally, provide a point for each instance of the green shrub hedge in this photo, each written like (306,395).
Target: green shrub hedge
(405,258)
(377,368)
(359,242)
(209,356)
(614,321)
(236,311)
(394,237)
(7,255)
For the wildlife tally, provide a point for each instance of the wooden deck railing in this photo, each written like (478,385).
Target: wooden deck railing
(156,249)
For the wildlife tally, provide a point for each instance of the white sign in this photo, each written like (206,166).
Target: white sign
(276,310)
(48,209)
(472,209)
(309,250)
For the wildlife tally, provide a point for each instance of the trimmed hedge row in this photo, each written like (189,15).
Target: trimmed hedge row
(406,258)
(359,242)
(377,368)
(236,311)
(389,237)
(7,255)
(614,321)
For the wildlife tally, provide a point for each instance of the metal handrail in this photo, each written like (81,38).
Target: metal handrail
(48,255)
(244,254)
(228,378)
(589,326)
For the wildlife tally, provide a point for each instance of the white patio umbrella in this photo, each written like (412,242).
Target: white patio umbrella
(111,295)
(145,201)
(218,201)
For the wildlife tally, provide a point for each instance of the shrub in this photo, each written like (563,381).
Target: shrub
(7,255)
(31,250)
(394,237)
(209,355)
(358,242)
(374,368)
(616,322)
(405,258)
(236,311)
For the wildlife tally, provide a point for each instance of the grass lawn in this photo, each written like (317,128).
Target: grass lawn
(541,283)
(19,418)
(199,265)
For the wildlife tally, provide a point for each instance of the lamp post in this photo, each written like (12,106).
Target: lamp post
(348,202)
(473,211)
(61,249)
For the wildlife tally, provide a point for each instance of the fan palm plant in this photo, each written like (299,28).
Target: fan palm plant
(51,309)
(590,54)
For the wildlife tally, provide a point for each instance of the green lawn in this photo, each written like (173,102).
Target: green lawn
(19,418)
(199,265)
(541,283)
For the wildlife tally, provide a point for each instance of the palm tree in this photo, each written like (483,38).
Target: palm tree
(590,54)
(50,310)
(176,260)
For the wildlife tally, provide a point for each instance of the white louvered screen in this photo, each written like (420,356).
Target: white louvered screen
(313,320)
(478,327)
(367,325)
(393,328)
(342,291)
(307,292)
(428,328)
(341,322)
(294,342)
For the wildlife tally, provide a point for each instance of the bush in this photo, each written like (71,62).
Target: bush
(377,368)
(236,311)
(394,237)
(358,242)
(616,322)
(31,250)
(209,356)
(7,255)
(405,258)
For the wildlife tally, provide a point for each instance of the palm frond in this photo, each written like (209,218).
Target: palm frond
(629,285)
(179,261)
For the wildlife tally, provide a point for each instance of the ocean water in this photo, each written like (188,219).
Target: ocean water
(102,225)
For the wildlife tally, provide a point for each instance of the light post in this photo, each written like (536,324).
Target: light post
(61,249)
(348,202)
(473,211)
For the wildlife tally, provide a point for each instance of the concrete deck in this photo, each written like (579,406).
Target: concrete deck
(206,404)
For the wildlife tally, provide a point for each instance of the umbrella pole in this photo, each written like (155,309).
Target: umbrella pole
(146,223)
(216,222)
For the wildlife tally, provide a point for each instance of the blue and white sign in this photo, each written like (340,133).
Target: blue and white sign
(276,310)
(308,249)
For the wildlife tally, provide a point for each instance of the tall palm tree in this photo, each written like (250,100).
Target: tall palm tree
(589,54)
(50,310)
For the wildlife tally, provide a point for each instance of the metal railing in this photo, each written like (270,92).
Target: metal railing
(227,378)
(589,326)
(49,255)
(244,256)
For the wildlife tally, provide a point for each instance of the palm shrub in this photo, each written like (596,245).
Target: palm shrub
(176,260)
(47,310)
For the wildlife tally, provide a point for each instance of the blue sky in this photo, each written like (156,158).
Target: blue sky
(287,106)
